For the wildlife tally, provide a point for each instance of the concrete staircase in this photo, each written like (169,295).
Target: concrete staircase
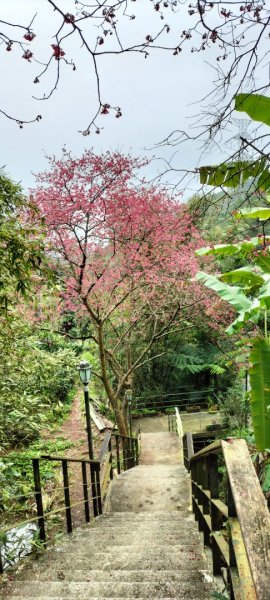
(145,546)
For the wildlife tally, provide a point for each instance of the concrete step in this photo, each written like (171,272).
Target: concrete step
(137,506)
(141,519)
(143,532)
(130,576)
(128,526)
(131,538)
(143,515)
(108,564)
(126,519)
(154,486)
(134,483)
(83,590)
(134,539)
(165,471)
(126,501)
(108,528)
(126,532)
(167,466)
(125,560)
(189,544)
(186,597)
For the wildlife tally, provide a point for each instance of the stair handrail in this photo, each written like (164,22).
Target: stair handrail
(188,449)
(130,457)
(238,531)
(96,476)
(179,424)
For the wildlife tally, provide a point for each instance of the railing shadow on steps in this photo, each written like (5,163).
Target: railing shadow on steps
(231,512)
(117,451)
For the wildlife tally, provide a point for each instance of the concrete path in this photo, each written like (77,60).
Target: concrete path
(145,546)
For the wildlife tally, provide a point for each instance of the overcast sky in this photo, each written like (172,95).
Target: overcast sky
(155,95)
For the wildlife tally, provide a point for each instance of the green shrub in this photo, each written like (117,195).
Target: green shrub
(144,412)
(235,407)
(35,387)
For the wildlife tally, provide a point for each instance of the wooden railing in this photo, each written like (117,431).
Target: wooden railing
(194,442)
(171,423)
(119,452)
(175,423)
(188,449)
(231,512)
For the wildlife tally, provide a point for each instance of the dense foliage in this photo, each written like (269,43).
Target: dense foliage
(34,385)
(21,246)
(247,288)
(36,376)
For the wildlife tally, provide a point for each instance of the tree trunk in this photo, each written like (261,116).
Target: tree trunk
(121,421)
(110,393)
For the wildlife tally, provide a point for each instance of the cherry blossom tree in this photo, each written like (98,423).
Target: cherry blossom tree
(125,253)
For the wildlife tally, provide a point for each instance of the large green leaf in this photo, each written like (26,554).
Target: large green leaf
(251,314)
(255,105)
(222,249)
(260,392)
(232,294)
(264,296)
(233,174)
(266,483)
(259,212)
(244,248)
(263,182)
(262,259)
(246,276)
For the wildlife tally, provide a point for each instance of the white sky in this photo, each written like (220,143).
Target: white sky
(154,94)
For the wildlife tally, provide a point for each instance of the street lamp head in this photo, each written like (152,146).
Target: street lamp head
(84,369)
(129,395)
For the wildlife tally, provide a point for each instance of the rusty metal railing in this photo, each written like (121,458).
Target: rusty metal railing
(117,453)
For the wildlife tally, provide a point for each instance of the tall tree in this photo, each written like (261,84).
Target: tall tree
(21,246)
(125,252)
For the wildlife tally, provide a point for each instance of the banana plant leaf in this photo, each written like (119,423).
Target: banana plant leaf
(222,249)
(232,294)
(261,213)
(234,174)
(260,392)
(256,106)
(266,483)
(244,248)
(251,314)
(264,297)
(262,259)
(246,276)
(263,182)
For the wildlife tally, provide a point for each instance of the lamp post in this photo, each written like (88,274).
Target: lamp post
(129,400)
(84,369)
